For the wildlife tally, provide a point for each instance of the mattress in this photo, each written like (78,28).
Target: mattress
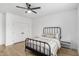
(54,44)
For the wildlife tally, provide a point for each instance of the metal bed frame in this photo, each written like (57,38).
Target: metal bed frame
(46,30)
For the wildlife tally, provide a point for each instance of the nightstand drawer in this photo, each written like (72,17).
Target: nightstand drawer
(65,44)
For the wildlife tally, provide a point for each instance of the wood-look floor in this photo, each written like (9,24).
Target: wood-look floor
(18,50)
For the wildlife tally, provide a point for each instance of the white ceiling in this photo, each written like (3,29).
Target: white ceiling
(46,8)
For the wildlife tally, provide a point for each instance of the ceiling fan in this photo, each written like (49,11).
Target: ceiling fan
(29,9)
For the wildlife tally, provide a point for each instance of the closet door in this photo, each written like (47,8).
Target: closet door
(20,32)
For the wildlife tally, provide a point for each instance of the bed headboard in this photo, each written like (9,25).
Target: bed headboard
(52,31)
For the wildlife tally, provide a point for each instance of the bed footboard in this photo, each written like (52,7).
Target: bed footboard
(31,46)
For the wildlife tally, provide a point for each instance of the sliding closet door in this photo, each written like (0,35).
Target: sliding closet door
(20,32)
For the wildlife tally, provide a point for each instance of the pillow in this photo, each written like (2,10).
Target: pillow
(49,35)
(44,35)
(57,36)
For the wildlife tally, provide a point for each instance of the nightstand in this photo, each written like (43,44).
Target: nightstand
(65,44)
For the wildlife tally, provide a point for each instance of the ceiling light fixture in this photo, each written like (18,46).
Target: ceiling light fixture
(29,11)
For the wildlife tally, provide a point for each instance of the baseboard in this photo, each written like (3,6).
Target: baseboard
(18,42)
(1,43)
(13,43)
(7,44)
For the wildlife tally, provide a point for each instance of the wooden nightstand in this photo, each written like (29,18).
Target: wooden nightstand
(65,44)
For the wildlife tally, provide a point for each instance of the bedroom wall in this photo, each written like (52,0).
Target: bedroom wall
(78,28)
(2,28)
(65,19)
(14,29)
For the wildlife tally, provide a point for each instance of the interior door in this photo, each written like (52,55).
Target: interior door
(20,32)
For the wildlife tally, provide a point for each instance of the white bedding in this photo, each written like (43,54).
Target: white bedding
(54,44)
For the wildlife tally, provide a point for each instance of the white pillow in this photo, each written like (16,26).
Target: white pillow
(49,35)
(57,36)
(44,35)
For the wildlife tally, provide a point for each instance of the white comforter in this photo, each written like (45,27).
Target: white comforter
(54,44)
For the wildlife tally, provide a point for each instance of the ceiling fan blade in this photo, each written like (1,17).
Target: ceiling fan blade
(34,12)
(21,7)
(28,5)
(35,8)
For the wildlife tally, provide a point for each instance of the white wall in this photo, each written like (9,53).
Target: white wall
(12,26)
(2,28)
(78,28)
(66,20)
